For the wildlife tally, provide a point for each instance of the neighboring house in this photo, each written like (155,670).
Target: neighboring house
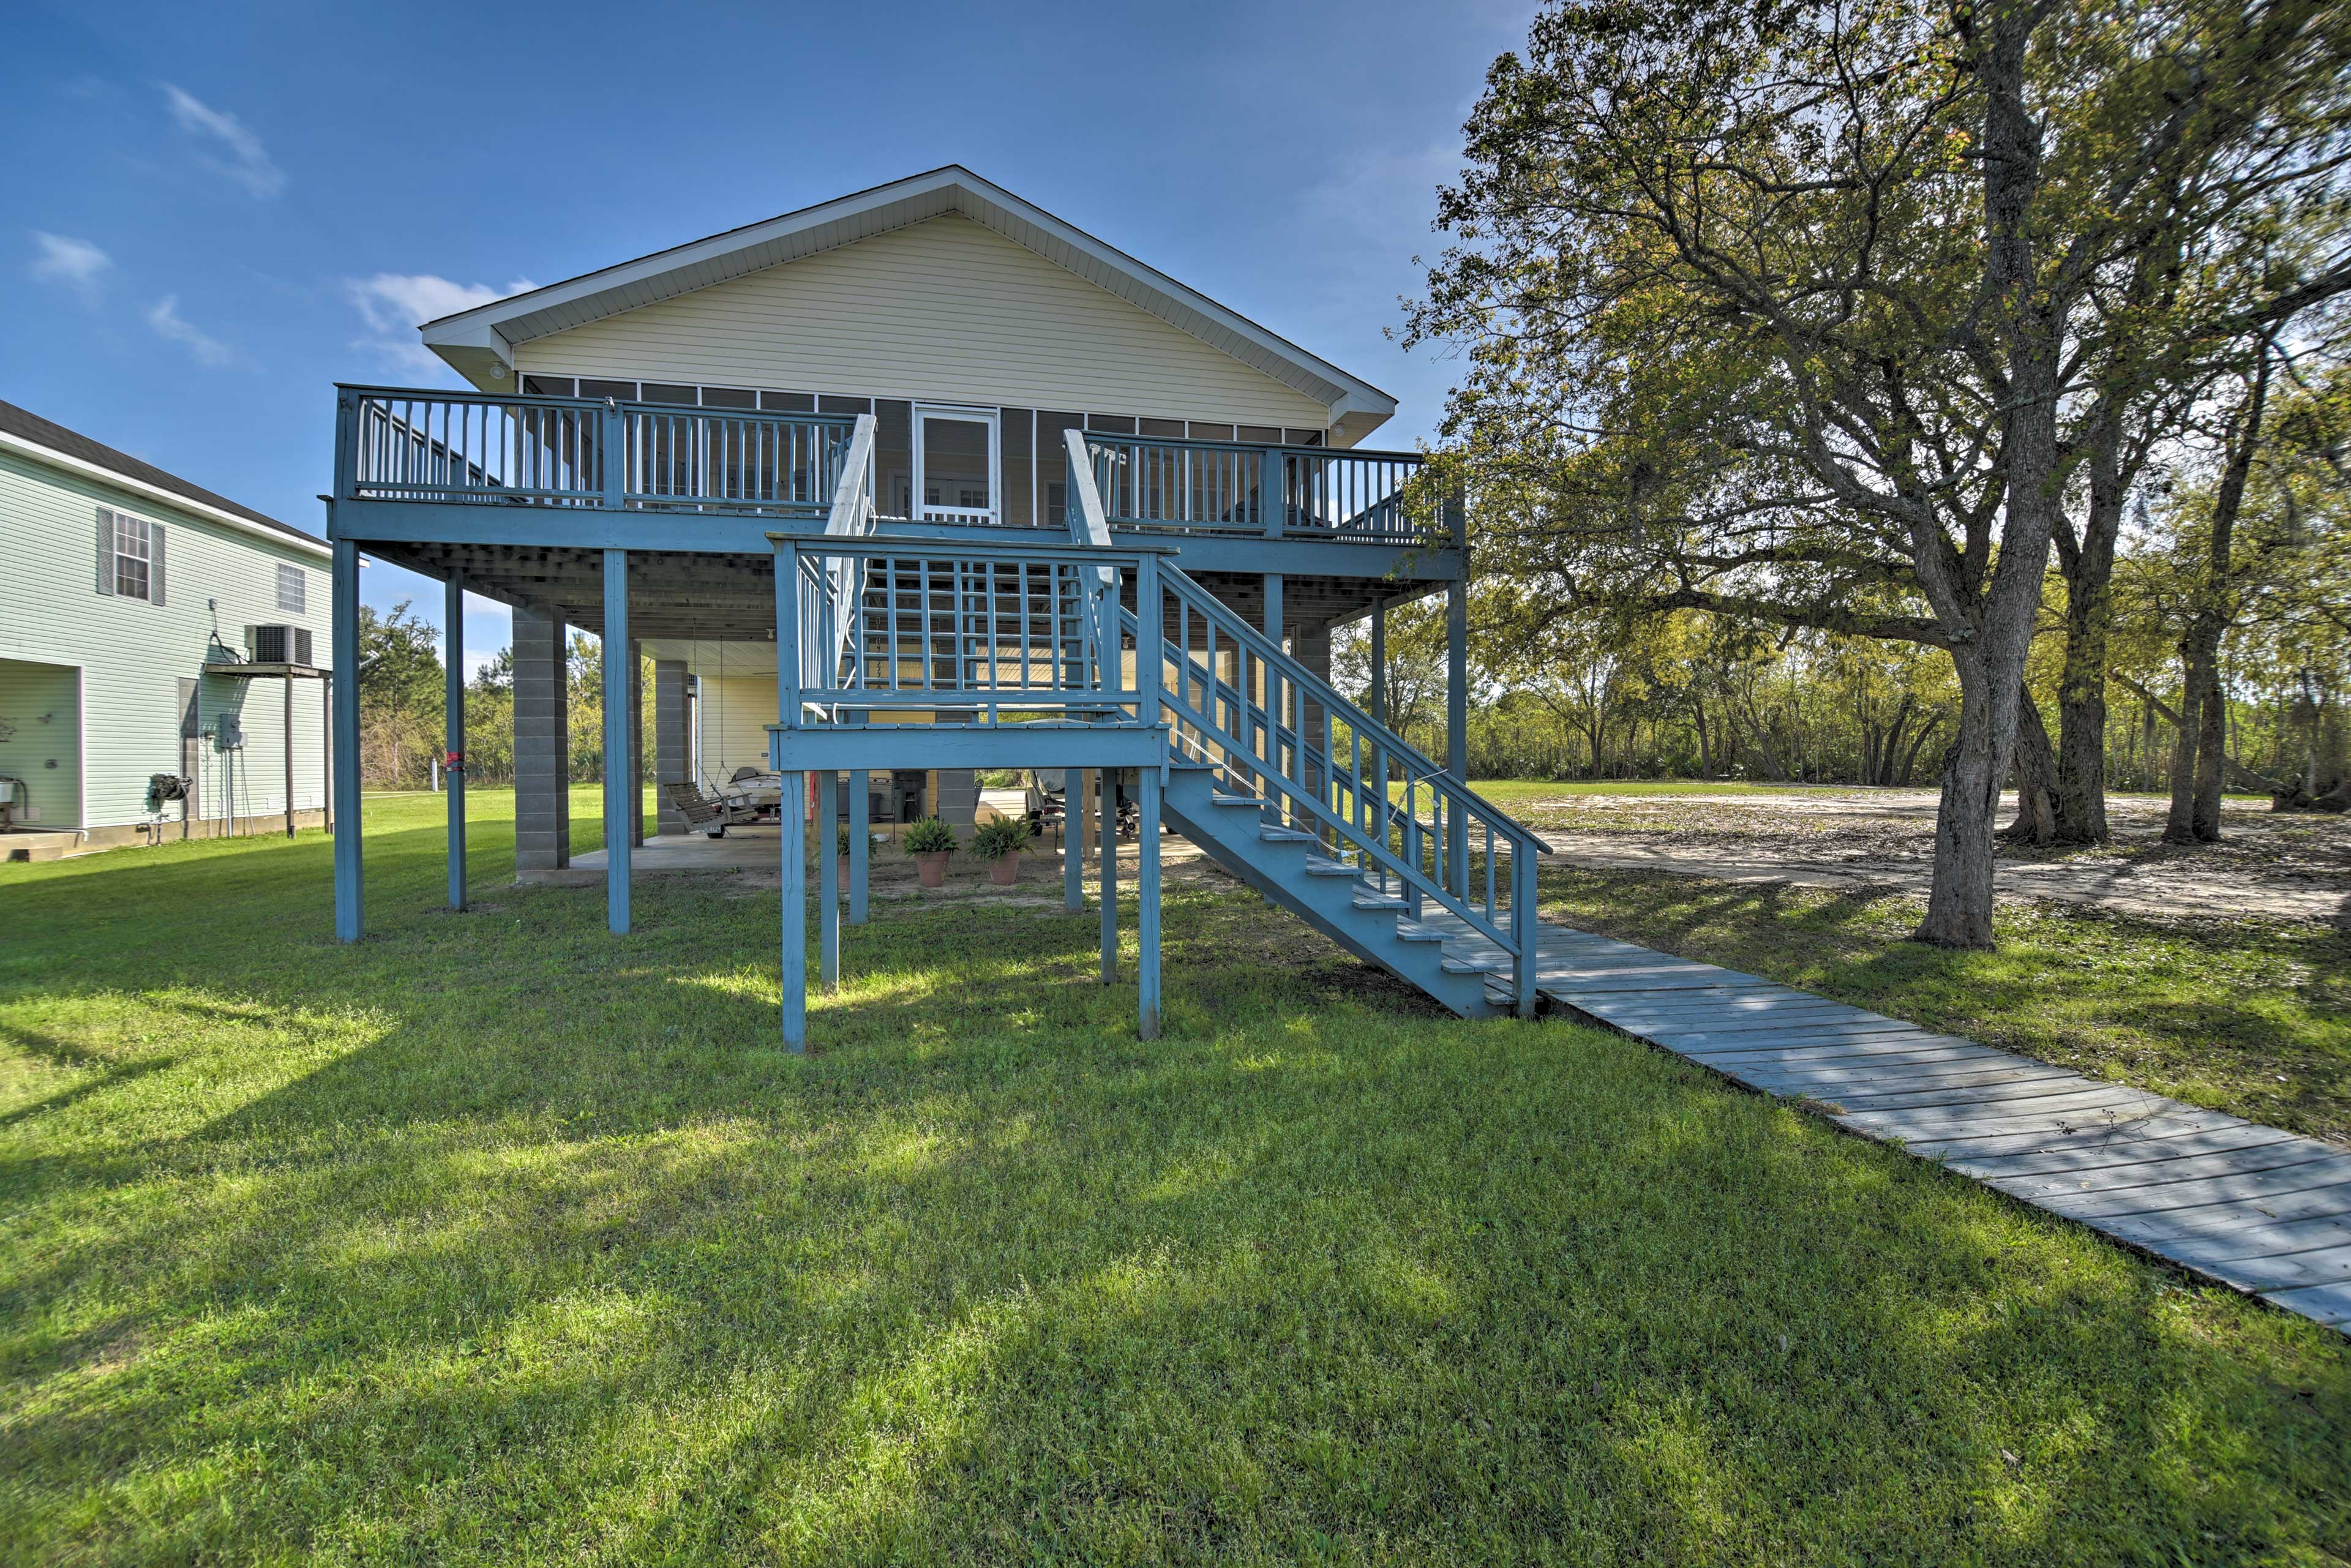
(995,493)
(123,614)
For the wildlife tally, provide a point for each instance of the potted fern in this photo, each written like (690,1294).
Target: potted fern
(930,842)
(999,844)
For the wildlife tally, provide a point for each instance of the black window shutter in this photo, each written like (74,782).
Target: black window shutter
(105,551)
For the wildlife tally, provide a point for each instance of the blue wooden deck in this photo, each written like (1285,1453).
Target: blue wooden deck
(2264,1211)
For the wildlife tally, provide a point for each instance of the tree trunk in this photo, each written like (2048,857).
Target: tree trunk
(1917,743)
(2079,784)
(2179,827)
(1991,634)
(1959,904)
(2036,779)
(2211,750)
(1704,756)
(2204,733)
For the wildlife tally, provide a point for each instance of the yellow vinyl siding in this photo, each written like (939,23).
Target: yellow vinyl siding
(948,310)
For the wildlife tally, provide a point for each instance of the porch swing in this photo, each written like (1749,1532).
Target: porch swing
(750,798)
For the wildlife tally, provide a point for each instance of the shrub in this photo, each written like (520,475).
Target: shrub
(929,836)
(1003,836)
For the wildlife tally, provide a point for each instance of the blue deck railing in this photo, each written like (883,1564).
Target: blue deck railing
(404,443)
(1230,488)
(401,445)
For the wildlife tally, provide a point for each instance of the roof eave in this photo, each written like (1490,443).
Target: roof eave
(479,342)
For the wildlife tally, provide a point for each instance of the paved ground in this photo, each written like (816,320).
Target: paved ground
(2296,866)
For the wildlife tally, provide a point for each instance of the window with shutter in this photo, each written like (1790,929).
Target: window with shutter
(132,544)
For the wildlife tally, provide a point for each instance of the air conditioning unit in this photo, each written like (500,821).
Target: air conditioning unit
(277,645)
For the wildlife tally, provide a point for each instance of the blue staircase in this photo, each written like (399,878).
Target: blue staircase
(1362,914)
(1290,787)
(1104,654)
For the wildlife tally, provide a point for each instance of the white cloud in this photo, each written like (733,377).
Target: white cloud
(76,264)
(393,305)
(227,147)
(207,350)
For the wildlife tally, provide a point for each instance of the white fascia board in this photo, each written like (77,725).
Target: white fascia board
(56,459)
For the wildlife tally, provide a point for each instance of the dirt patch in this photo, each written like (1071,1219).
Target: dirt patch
(2279,867)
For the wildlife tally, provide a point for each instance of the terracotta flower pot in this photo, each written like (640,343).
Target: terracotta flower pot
(1004,870)
(932,868)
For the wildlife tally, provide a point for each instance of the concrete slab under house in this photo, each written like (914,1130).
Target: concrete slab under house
(920,483)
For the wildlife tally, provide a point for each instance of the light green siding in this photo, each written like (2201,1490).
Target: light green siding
(40,739)
(132,654)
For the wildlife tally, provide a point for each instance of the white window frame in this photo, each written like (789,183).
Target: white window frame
(144,536)
(993,419)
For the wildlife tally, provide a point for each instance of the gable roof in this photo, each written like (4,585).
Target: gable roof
(23,430)
(480,343)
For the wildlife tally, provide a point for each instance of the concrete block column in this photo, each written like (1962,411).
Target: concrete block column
(672,746)
(542,743)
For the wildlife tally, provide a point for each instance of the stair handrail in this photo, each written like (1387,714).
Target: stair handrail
(1089,526)
(1332,699)
(1448,800)
(852,515)
(1175,579)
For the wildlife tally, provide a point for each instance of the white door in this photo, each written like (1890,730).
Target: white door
(958,464)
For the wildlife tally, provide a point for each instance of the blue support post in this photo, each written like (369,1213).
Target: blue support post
(1456,726)
(1526,929)
(619,820)
(1269,694)
(1109,811)
(1149,653)
(828,885)
(1146,908)
(349,900)
(454,723)
(1073,839)
(795,892)
(861,843)
(794,803)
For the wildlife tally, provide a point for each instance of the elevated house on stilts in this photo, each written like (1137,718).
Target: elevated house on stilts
(938,482)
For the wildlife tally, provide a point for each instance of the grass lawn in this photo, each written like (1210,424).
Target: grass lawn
(2246,1016)
(493,1238)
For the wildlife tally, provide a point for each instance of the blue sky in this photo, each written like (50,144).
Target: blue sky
(217,212)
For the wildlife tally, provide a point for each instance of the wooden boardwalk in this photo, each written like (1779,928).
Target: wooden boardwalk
(2265,1211)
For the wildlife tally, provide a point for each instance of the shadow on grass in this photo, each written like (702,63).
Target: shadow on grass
(495,1236)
